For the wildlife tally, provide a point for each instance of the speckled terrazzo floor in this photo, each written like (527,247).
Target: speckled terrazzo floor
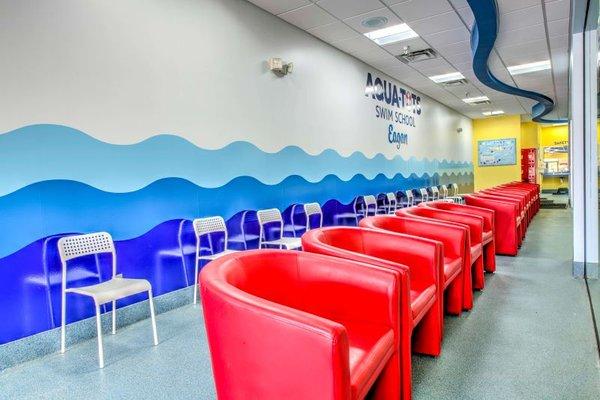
(530,336)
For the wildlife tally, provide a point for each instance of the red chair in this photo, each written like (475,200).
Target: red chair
(489,232)
(457,258)
(506,215)
(521,225)
(420,260)
(475,225)
(298,326)
(518,196)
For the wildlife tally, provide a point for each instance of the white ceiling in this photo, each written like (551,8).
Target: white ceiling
(530,30)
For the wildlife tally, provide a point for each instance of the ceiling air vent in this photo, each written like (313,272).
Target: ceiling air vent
(455,82)
(416,56)
(479,102)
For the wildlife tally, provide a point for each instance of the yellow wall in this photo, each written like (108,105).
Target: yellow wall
(530,135)
(505,127)
(553,136)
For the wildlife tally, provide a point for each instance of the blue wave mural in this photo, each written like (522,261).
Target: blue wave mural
(37,153)
(50,207)
(58,181)
(164,253)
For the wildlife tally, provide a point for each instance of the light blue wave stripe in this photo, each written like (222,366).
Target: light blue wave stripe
(38,153)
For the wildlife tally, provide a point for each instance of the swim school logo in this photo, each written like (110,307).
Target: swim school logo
(405,106)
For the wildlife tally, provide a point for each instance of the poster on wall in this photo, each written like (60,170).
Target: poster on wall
(497,152)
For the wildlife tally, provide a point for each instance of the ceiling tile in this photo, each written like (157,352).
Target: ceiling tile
(518,36)
(334,32)
(437,23)
(467,16)
(356,22)
(559,27)
(456,35)
(507,6)
(353,45)
(349,8)
(454,48)
(558,9)
(418,9)
(308,17)
(280,6)
(521,18)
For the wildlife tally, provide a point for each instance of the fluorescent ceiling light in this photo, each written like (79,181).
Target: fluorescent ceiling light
(391,34)
(453,76)
(495,112)
(475,99)
(530,67)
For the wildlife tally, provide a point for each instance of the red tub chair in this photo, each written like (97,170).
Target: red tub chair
(472,222)
(520,219)
(506,220)
(526,213)
(489,232)
(457,258)
(420,260)
(299,326)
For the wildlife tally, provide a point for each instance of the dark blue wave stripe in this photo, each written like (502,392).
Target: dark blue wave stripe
(483,37)
(30,277)
(51,207)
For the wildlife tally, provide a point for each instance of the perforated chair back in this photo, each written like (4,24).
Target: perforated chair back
(268,216)
(311,209)
(208,225)
(370,204)
(454,189)
(71,247)
(444,191)
(424,194)
(392,202)
(410,198)
(435,193)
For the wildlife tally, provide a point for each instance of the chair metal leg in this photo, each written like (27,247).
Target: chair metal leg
(99,329)
(63,320)
(152,317)
(114,317)
(196,281)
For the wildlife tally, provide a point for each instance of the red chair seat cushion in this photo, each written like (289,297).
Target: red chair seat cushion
(488,236)
(371,346)
(475,252)
(452,268)
(421,299)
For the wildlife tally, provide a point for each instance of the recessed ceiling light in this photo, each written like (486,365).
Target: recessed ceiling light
(495,112)
(529,67)
(453,76)
(374,22)
(475,99)
(391,34)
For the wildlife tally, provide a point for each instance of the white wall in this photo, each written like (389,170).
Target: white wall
(127,70)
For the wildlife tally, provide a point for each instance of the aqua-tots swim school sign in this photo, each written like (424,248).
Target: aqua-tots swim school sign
(399,107)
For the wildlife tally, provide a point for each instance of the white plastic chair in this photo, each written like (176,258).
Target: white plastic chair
(207,226)
(443,192)
(273,215)
(424,195)
(311,209)
(454,196)
(390,205)
(410,199)
(435,193)
(71,247)
(370,205)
